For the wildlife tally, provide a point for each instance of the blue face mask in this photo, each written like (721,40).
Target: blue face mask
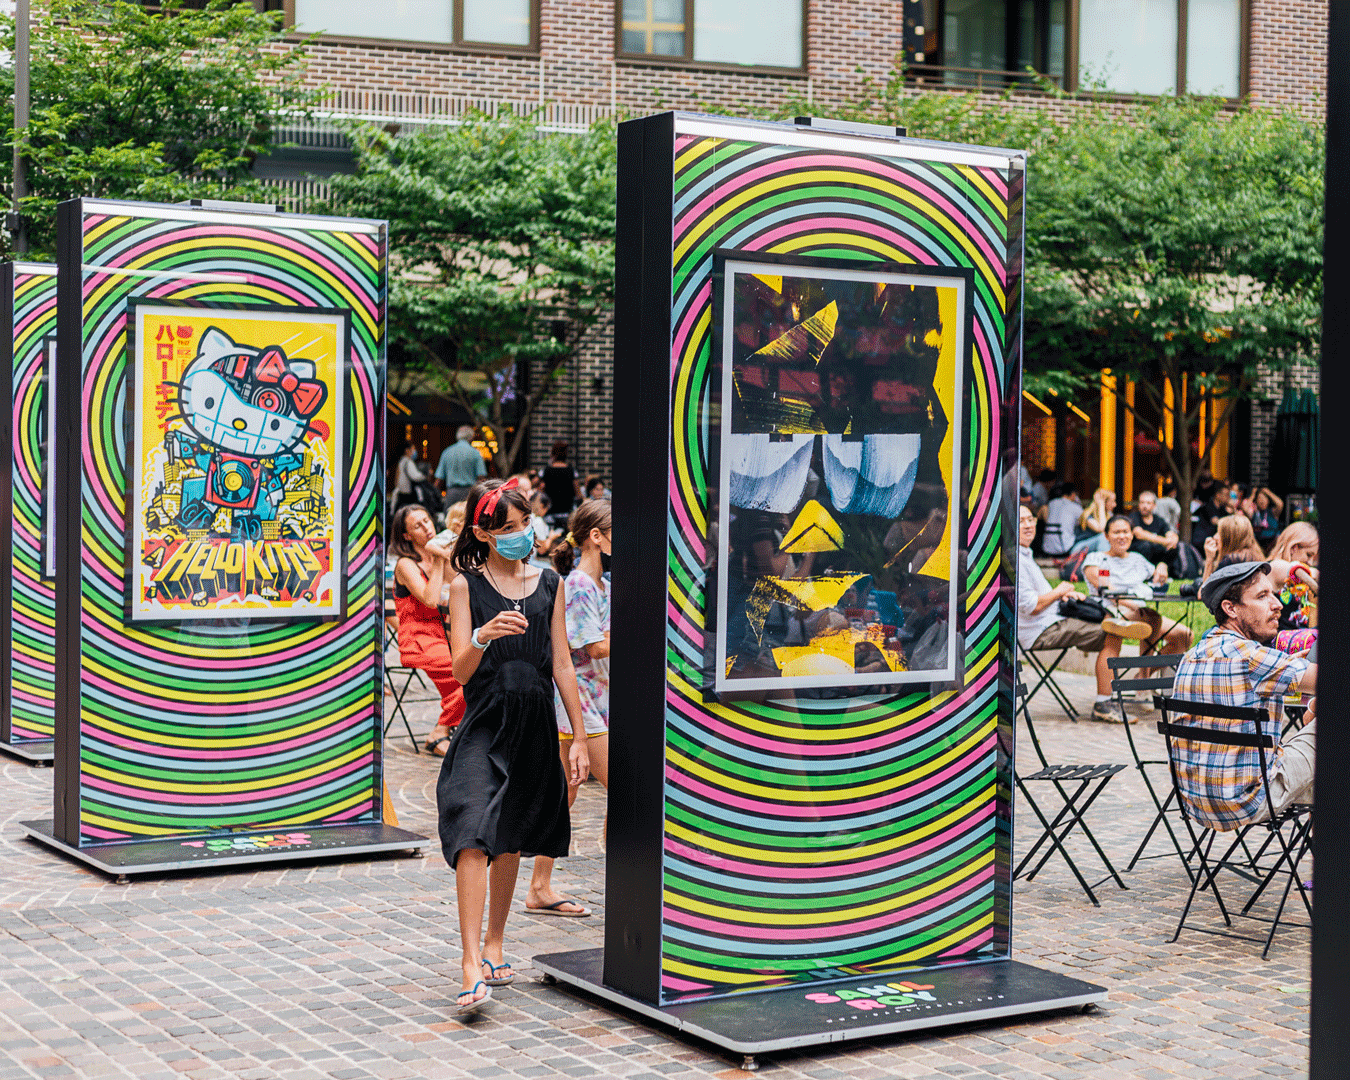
(515,545)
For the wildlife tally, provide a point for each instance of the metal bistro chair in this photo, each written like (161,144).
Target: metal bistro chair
(400,680)
(1091,781)
(1166,808)
(1045,677)
(1297,818)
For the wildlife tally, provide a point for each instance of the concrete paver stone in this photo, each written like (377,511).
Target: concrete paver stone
(343,971)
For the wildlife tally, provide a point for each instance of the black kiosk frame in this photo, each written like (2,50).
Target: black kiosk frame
(817,387)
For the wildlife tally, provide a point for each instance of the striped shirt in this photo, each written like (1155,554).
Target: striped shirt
(1222,784)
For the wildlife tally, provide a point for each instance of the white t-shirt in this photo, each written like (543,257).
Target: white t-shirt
(1031,586)
(1130,571)
(1061,522)
(1169,510)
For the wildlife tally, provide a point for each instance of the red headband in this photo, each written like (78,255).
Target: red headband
(488,503)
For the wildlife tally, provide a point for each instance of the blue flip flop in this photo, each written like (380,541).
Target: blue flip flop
(474,1006)
(493,978)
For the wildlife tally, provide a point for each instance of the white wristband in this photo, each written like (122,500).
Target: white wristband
(475,642)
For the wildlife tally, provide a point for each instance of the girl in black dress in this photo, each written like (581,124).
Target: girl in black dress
(502,789)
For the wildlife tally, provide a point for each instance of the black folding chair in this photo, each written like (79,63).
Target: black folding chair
(400,680)
(1046,678)
(1295,716)
(1091,781)
(1165,808)
(1246,728)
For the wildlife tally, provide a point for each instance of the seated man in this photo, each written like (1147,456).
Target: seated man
(1235,664)
(1041,626)
(1157,541)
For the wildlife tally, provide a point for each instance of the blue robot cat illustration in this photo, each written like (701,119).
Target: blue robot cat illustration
(246,413)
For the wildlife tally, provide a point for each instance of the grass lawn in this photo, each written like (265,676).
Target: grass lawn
(1196,616)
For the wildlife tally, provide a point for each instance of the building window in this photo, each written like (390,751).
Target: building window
(1122,46)
(985,42)
(749,33)
(1161,46)
(492,24)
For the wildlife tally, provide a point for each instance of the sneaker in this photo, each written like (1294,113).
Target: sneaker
(1125,628)
(1105,711)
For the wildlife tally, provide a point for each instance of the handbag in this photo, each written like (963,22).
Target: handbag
(1084,608)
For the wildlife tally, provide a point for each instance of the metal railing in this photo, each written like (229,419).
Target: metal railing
(406,113)
(950,76)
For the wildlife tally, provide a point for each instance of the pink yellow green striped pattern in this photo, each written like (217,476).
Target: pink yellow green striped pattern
(209,726)
(848,834)
(32,600)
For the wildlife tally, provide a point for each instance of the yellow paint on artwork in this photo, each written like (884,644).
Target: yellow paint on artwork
(808,594)
(811,336)
(939,564)
(833,652)
(773,281)
(815,593)
(828,654)
(814,530)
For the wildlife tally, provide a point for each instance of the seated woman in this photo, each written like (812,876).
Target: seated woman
(422,571)
(1131,572)
(1264,509)
(1233,541)
(1091,533)
(1293,568)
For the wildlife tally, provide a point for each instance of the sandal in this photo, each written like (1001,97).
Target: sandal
(493,978)
(474,1005)
(556,909)
(438,747)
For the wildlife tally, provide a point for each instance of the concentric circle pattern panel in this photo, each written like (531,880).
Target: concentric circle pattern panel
(32,614)
(814,833)
(236,720)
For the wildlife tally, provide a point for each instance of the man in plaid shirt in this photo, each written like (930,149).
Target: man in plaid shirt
(1235,664)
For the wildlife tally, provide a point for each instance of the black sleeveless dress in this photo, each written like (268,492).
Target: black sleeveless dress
(502,787)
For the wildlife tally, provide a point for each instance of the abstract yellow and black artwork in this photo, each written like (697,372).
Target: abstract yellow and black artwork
(839,390)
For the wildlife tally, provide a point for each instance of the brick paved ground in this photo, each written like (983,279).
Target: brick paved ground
(349,970)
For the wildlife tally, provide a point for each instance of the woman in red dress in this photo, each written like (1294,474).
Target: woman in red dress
(421,573)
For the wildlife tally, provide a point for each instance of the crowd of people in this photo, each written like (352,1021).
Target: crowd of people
(504,604)
(1140,553)
(1260,583)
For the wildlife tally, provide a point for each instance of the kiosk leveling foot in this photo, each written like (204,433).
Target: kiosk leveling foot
(750,1064)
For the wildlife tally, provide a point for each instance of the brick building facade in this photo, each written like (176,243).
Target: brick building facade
(582,59)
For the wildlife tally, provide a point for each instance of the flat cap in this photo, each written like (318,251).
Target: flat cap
(1216,586)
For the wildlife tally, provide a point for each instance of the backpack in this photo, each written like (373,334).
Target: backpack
(1071,569)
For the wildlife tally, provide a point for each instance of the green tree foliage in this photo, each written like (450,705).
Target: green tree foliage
(156,104)
(503,252)
(1179,246)
(1177,243)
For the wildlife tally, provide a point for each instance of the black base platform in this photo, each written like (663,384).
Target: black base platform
(37,751)
(815,1014)
(127,857)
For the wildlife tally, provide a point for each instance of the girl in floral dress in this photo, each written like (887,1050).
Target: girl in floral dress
(580,557)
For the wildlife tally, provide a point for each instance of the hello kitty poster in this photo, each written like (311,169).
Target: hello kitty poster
(235,495)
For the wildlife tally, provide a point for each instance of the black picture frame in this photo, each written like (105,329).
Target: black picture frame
(958,497)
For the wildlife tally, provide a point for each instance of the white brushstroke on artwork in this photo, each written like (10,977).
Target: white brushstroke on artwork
(874,476)
(766,474)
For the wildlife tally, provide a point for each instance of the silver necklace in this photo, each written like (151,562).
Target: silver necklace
(509,599)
